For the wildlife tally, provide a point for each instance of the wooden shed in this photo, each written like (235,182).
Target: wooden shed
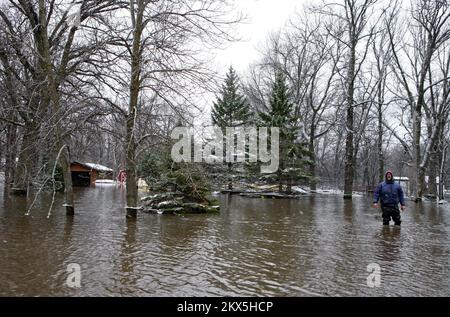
(85,174)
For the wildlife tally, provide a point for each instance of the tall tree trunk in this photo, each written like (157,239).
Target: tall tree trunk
(419,178)
(380,131)
(433,169)
(44,49)
(280,181)
(131,182)
(423,165)
(349,146)
(312,157)
(26,164)
(417,124)
(337,171)
(230,176)
(130,141)
(11,130)
(10,157)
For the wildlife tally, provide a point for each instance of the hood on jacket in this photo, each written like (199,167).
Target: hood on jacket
(392,176)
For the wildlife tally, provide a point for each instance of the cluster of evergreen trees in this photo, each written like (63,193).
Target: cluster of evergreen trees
(232,109)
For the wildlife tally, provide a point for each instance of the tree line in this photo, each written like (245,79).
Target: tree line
(369,81)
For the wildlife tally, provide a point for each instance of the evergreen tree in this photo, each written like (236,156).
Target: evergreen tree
(293,152)
(231,110)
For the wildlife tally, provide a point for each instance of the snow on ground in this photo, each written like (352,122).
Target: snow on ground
(299,190)
(329,191)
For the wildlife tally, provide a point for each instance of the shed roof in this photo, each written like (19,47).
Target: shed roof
(93,166)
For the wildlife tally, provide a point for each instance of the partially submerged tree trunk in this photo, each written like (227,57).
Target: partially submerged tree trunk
(312,157)
(280,181)
(349,146)
(44,49)
(130,142)
(131,181)
(10,157)
(433,169)
(26,164)
(230,176)
(11,128)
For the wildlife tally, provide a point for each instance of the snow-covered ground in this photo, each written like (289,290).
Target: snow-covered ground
(329,191)
(299,190)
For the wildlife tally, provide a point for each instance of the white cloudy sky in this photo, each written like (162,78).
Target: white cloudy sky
(263,17)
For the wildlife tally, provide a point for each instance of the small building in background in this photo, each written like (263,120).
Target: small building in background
(85,174)
(404,183)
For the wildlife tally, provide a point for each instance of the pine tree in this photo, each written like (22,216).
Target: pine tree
(231,110)
(292,152)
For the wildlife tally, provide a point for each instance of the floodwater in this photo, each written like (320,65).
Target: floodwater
(255,247)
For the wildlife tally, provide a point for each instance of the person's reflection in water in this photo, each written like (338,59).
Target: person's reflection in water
(390,250)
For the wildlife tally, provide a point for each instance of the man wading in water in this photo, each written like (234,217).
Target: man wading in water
(390,194)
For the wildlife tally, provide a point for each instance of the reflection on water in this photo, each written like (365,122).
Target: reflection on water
(254,247)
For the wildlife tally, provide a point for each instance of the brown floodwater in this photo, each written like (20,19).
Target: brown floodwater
(255,247)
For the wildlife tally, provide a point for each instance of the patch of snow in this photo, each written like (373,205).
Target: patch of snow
(329,191)
(98,167)
(299,190)
(105,182)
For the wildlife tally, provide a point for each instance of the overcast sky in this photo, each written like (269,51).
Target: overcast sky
(264,16)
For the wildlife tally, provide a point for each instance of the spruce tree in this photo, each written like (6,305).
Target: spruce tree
(292,152)
(231,110)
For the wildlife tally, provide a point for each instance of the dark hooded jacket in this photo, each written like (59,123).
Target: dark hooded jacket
(389,193)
